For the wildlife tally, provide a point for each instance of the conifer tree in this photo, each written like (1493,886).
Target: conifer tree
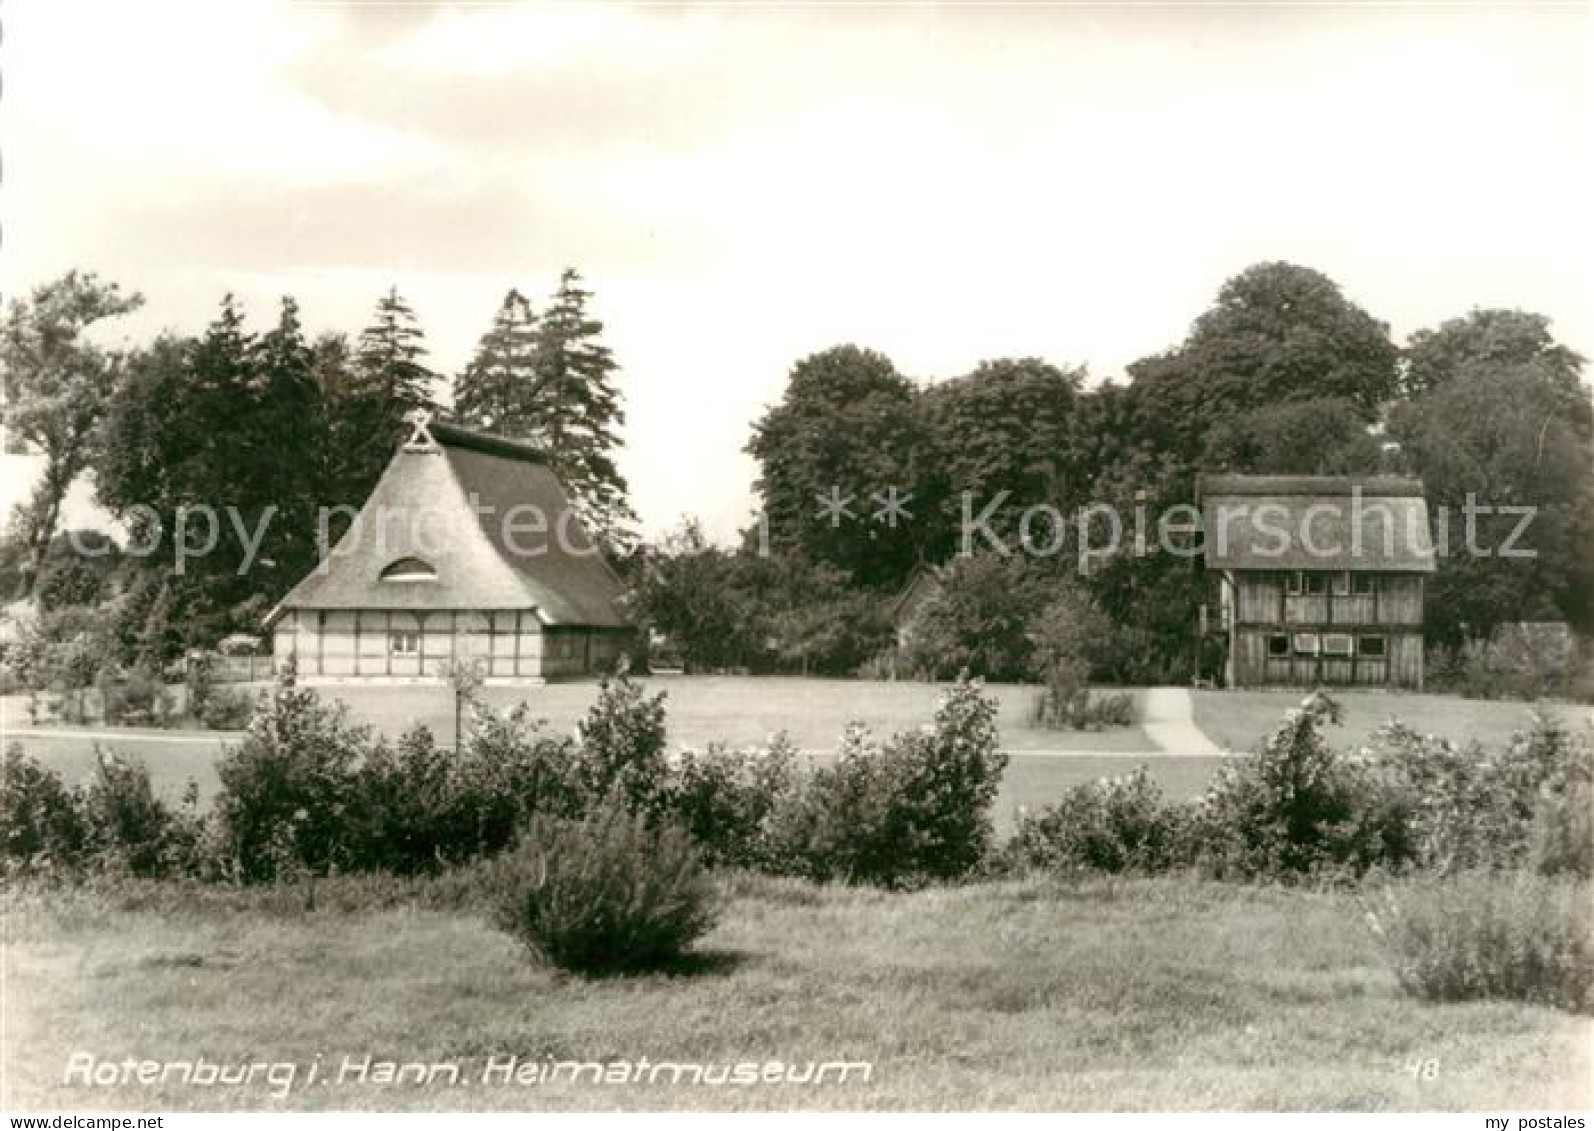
(387,380)
(287,435)
(497,390)
(550,381)
(575,375)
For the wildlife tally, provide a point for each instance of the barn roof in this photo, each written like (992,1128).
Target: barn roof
(488,517)
(1315,522)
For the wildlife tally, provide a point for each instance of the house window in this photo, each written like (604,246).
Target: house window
(1364,584)
(1341,583)
(1278,646)
(1307,643)
(404,642)
(1372,647)
(1315,584)
(1292,583)
(410,569)
(1337,644)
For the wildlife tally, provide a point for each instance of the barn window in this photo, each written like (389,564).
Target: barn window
(1337,644)
(1373,647)
(1364,584)
(404,642)
(1307,643)
(410,569)
(1278,645)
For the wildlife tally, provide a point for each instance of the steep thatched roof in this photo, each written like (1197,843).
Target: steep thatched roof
(1315,522)
(490,519)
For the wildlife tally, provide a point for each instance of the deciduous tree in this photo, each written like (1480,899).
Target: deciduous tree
(58,382)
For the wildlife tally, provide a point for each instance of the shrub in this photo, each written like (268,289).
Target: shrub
(226,708)
(41,822)
(1071,631)
(1561,841)
(977,620)
(1112,825)
(129,828)
(1066,703)
(727,800)
(139,698)
(1490,935)
(199,681)
(288,790)
(510,769)
(1518,661)
(917,808)
(885,664)
(409,809)
(1295,808)
(1473,808)
(607,894)
(832,632)
(423,807)
(622,743)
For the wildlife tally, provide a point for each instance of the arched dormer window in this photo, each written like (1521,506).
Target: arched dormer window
(410,569)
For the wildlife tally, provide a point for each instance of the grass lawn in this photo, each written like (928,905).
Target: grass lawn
(703,709)
(1236,720)
(746,711)
(1027,781)
(736,710)
(1028,995)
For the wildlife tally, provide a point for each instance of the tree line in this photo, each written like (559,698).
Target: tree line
(1283,374)
(269,427)
(864,472)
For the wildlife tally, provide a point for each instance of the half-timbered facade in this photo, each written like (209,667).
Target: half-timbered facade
(467,549)
(1320,579)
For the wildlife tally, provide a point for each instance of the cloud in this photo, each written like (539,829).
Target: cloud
(488,227)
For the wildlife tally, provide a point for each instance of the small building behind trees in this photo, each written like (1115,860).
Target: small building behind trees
(467,549)
(1320,579)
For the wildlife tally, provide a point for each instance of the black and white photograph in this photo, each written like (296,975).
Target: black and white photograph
(796,557)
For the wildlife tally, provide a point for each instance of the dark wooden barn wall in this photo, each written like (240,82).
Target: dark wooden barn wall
(1263,608)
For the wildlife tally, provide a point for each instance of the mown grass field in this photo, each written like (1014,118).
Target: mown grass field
(1038,995)
(1236,720)
(738,711)
(747,710)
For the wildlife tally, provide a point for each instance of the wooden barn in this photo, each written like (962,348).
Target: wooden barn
(468,547)
(1320,579)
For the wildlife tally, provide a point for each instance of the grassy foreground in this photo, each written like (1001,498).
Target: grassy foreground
(1140,994)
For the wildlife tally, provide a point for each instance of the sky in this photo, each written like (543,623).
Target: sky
(742,186)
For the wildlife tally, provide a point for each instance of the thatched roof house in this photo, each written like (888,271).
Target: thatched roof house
(467,548)
(1321,577)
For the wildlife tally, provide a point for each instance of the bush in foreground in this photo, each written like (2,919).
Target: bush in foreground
(1112,825)
(1525,804)
(916,809)
(1297,808)
(728,800)
(41,820)
(288,790)
(1490,935)
(132,830)
(115,823)
(607,894)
